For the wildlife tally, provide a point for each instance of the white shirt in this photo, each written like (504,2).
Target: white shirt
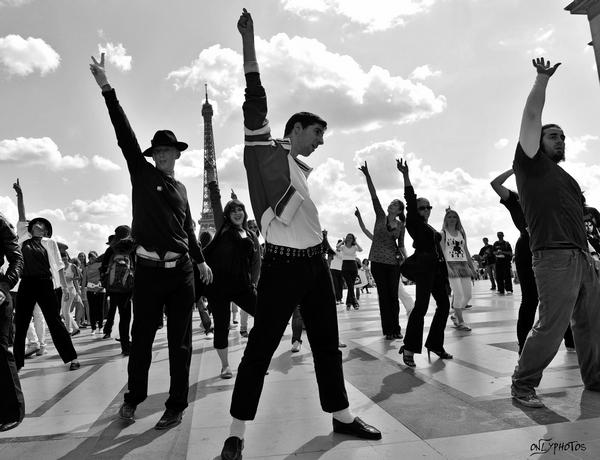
(304,230)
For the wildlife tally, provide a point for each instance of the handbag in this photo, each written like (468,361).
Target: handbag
(410,268)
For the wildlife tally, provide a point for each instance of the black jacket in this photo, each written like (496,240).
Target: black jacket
(9,248)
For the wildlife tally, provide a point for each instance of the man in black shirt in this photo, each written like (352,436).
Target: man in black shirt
(567,281)
(12,404)
(489,261)
(503,253)
(163,230)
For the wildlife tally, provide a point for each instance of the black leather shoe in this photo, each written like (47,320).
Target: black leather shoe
(357,428)
(9,425)
(232,449)
(170,418)
(127,412)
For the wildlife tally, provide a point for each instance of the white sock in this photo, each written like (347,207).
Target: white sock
(238,428)
(344,415)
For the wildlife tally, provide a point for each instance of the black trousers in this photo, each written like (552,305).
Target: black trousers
(153,289)
(40,291)
(349,273)
(503,277)
(434,283)
(122,302)
(220,306)
(529,294)
(387,277)
(96,302)
(284,284)
(12,403)
(338,283)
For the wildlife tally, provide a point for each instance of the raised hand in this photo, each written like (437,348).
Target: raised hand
(357,213)
(245,23)
(544,67)
(402,166)
(17,188)
(364,169)
(98,71)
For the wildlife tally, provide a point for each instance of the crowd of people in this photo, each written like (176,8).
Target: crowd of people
(160,266)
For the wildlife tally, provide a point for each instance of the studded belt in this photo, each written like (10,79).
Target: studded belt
(293,253)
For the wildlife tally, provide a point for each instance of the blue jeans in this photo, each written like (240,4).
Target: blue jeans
(569,290)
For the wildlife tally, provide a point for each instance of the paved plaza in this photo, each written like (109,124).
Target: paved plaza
(456,409)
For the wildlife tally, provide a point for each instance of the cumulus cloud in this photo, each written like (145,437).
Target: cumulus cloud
(190,164)
(116,55)
(23,56)
(311,77)
(13,2)
(43,151)
(575,146)
(423,72)
(8,209)
(381,161)
(501,143)
(53,215)
(378,15)
(106,206)
(104,164)
(534,43)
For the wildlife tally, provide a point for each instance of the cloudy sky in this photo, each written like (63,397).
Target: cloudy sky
(441,83)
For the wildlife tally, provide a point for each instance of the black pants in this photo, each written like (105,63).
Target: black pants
(432,282)
(122,302)
(284,284)
(529,294)
(503,276)
(40,291)
(153,289)
(12,404)
(220,306)
(96,302)
(387,277)
(338,284)
(349,273)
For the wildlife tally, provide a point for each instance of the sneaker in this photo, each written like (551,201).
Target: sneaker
(244,334)
(296,346)
(530,400)
(210,335)
(42,351)
(74,365)
(31,350)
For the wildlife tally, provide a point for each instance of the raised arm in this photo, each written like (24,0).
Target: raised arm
(362,226)
(500,189)
(531,123)
(215,197)
(125,135)
(20,201)
(376,203)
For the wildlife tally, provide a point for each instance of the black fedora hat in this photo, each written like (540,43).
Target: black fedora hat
(164,137)
(46,222)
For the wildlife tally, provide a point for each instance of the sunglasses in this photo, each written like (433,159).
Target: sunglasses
(423,208)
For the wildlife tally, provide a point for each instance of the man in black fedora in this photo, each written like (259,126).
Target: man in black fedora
(163,231)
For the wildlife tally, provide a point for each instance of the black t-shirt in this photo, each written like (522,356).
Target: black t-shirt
(516,213)
(487,254)
(503,246)
(35,257)
(552,202)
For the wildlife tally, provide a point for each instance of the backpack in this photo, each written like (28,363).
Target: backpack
(119,276)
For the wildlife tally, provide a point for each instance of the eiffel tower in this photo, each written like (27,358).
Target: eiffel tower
(207,221)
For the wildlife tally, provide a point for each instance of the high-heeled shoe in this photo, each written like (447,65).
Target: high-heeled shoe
(441,354)
(408,359)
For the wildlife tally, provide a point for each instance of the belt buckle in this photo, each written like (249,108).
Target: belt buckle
(171,264)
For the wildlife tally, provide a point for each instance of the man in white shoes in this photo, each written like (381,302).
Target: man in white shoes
(294,269)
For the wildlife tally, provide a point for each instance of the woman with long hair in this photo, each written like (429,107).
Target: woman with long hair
(430,276)
(73,289)
(459,264)
(85,321)
(386,255)
(347,250)
(234,256)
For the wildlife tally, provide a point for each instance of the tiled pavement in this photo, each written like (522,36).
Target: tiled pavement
(455,409)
